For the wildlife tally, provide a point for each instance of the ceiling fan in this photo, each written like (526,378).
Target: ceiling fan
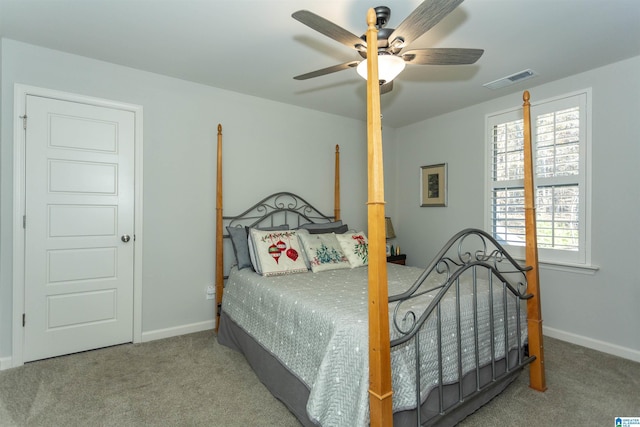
(392,55)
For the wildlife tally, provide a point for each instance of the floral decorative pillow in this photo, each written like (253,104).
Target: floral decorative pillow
(324,252)
(277,252)
(356,248)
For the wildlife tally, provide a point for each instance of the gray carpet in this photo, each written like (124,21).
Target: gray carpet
(193,381)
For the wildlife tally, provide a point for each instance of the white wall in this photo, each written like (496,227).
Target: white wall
(271,146)
(598,310)
(268,147)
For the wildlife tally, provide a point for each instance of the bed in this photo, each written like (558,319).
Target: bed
(375,343)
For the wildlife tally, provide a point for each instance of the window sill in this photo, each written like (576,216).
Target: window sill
(566,267)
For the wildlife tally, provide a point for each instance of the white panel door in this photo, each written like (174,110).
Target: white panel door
(79,200)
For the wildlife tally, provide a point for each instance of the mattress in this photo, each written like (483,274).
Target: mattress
(316,324)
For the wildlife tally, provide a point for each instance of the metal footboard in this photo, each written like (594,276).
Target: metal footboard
(473,283)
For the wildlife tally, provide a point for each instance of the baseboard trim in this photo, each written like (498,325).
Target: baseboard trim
(159,334)
(605,347)
(5,363)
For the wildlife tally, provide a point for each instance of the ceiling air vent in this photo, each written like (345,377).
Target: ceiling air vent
(509,80)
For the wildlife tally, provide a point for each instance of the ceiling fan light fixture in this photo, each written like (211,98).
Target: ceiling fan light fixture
(389,66)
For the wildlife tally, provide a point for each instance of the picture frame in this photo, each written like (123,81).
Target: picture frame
(433,185)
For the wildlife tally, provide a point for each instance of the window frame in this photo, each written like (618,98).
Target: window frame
(582,99)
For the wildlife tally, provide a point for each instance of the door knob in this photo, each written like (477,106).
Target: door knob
(125,238)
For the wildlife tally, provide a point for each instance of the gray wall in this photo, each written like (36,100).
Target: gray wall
(600,309)
(271,146)
(268,147)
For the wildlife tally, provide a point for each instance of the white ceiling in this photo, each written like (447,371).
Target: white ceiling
(255,46)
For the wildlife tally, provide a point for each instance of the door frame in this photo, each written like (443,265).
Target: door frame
(20,93)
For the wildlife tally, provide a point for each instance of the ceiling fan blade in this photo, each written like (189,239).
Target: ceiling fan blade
(330,29)
(328,70)
(422,19)
(442,56)
(386,88)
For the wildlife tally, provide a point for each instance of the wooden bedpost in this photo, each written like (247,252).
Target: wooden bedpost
(336,190)
(380,388)
(219,232)
(534,314)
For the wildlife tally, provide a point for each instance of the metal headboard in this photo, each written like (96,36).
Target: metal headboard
(276,209)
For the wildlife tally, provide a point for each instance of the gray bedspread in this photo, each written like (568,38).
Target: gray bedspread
(317,325)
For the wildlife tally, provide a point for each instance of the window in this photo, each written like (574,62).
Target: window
(559,139)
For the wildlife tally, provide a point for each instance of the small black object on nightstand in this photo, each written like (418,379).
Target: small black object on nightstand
(397,259)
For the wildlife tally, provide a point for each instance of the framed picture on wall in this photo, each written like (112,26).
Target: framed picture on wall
(433,185)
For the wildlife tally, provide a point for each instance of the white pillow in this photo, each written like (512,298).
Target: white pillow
(356,248)
(324,252)
(277,252)
(300,232)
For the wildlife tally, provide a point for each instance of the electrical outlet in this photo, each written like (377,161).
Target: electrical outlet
(211,292)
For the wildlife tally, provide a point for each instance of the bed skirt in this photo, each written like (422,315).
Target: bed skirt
(288,388)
